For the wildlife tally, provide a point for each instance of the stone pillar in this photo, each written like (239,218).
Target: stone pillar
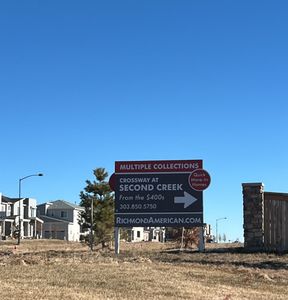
(253,205)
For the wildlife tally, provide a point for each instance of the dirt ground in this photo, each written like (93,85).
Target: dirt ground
(50,269)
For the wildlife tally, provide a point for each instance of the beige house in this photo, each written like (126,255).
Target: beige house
(60,220)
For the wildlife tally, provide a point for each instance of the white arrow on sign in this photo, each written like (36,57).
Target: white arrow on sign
(187,199)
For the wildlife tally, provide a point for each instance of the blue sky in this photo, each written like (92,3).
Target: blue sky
(86,83)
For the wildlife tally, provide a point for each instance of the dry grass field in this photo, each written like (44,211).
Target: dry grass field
(39,269)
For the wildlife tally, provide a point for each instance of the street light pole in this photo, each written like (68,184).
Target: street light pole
(21,205)
(217,227)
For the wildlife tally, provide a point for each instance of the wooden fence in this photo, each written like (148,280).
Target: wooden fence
(275,221)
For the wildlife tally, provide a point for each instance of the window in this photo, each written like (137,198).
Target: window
(63,214)
(33,212)
(138,234)
(8,211)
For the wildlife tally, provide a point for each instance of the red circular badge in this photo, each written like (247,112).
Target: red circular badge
(199,180)
(112,182)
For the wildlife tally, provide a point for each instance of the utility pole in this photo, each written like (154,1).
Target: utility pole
(91,227)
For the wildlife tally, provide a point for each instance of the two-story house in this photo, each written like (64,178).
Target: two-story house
(14,212)
(60,220)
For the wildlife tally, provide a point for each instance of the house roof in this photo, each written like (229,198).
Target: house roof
(11,200)
(61,204)
(14,200)
(47,219)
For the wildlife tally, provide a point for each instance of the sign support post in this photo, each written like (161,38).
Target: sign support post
(182,239)
(117,240)
(201,246)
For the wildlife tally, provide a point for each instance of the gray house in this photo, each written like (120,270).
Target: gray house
(60,220)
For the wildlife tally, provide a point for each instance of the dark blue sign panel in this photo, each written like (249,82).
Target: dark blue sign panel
(157,199)
(159,220)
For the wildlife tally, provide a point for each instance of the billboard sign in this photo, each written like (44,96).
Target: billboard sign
(159,193)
